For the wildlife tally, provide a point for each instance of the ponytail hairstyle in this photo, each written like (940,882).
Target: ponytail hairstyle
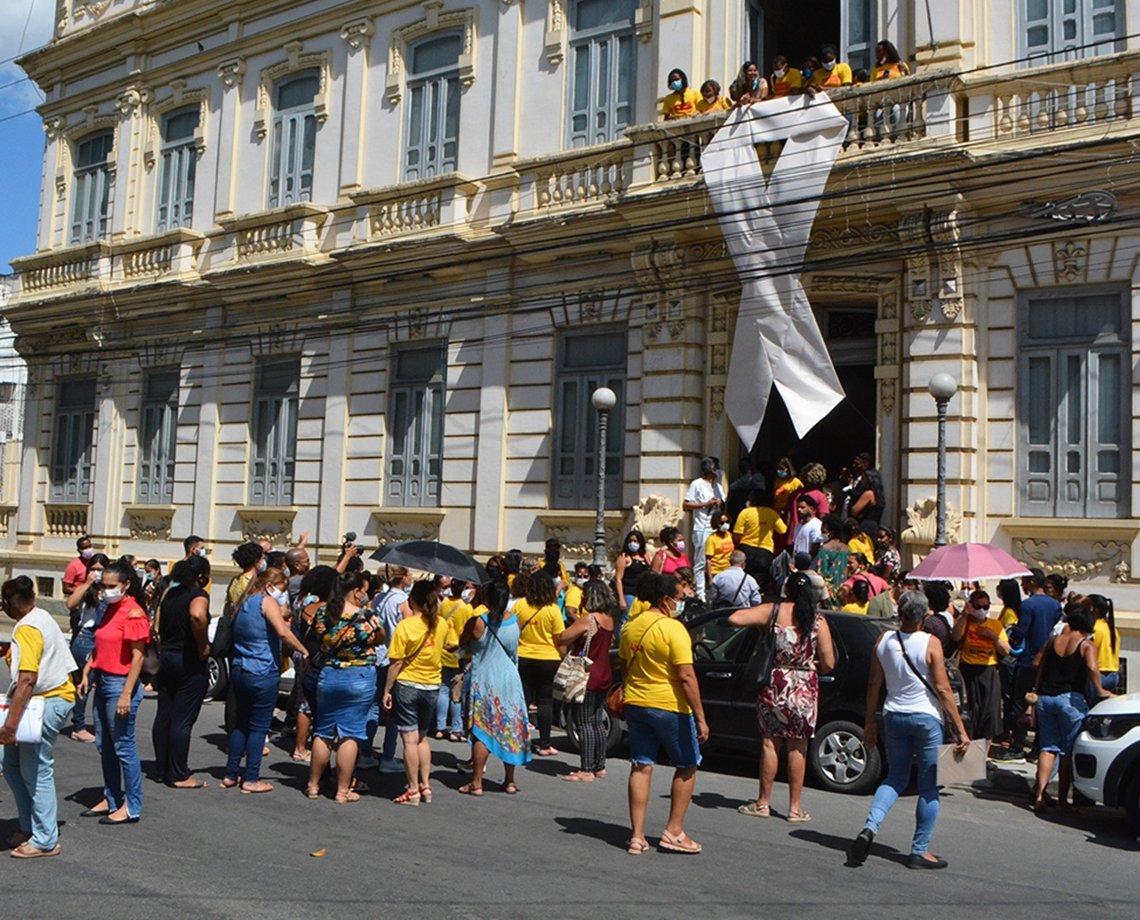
(348,582)
(319,581)
(424,597)
(187,573)
(797,586)
(1104,610)
(128,581)
(261,583)
(496,597)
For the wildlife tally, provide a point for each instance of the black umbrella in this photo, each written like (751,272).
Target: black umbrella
(430,556)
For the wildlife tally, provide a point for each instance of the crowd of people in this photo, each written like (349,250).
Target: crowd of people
(825,72)
(431,658)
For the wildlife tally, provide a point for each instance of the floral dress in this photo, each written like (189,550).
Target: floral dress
(496,704)
(832,565)
(788,706)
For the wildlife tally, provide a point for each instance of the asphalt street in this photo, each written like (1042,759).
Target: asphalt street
(555,849)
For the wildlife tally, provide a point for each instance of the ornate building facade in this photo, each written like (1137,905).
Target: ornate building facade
(355,267)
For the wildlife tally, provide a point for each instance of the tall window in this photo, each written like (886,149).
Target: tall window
(415,438)
(754,32)
(157,430)
(92,194)
(859,33)
(294,139)
(73,439)
(433,107)
(176,170)
(275,397)
(1074,389)
(603,54)
(1060,30)
(587,361)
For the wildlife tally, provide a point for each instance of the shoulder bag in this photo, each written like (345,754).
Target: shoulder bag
(766,653)
(30,729)
(574,672)
(947,722)
(615,699)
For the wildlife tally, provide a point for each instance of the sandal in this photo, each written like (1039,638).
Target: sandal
(439,736)
(312,792)
(346,797)
(548,751)
(797,817)
(229,784)
(577,777)
(457,738)
(469,789)
(511,789)
(425,794)
(636,846)
(755,810)
(27,851)
(408,797)
(256,788)
(302,758)
(679,843)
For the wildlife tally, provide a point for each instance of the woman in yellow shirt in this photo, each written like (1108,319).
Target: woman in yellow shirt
(540,621)
(787,484)
(1106,640)
(681,101)
(711,99)
(756,527)
(414,678)
(858,597)
(718,547)
(662,710)
(888,63)
(857,541)
(786,81)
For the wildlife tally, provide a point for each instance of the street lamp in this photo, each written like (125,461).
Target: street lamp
(603,399)
(942,387)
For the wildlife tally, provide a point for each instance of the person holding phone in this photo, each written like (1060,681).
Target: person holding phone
(984,643)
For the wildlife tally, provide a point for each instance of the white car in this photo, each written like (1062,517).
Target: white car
(1106,756)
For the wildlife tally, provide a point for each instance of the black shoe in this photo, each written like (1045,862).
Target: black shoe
(92,813)
(1001,755)
(115,821)
(857,852)
(921,862)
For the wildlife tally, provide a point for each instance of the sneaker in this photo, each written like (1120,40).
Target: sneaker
(391,765)
(368,762)
(860,846)
(1002,755)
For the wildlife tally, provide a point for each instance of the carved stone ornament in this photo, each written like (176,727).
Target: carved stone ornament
(716,401)
(1104,555)
(356,34)
(578,539)
(277,340)
(554,40)
(91,9)
(272,524)
(392,529)
(722,307)
(179,97)
(888,394)
(654,513)
(1121,573)
(132,99)
(596,305)
(1070,261)
(294,62)
(848,238)
(436,20)
(150,524)
(230,73)
(922,523)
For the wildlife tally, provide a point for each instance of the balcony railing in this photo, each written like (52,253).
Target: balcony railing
(421,206)
(593,176)
(290,232)
(150,258)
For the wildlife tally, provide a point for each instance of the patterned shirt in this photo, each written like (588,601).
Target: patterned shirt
(346,642)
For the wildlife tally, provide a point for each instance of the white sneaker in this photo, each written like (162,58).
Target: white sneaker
(367,762)
(391,765)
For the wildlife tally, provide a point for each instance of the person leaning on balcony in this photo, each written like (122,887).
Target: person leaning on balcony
(786,80)
(888,63)
(711,99)
(749,86)
(681,101)
(831,73)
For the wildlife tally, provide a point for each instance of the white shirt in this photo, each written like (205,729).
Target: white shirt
(808,536)
(905,691)
(56,661)
(734,587)
(700,491)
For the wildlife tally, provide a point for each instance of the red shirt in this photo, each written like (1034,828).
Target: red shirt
(823,507)
(75,572)
(123,623)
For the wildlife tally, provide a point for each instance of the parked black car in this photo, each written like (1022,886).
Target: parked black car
(724,657)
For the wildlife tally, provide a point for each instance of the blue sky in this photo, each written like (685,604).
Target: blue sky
(21,135)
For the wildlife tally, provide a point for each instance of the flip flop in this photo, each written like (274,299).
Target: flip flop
(798,817)
(303,758)
(229,784)
(679,843)
(636,847)
(754,810)
(259,789)
(468,789)
(199,784)
(577,777)
(27,851)
(511,789)
(312,792)
(347,798)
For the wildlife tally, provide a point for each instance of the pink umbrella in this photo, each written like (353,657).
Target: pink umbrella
(968,562)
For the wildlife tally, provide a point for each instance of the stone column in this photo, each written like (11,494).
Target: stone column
(491,449)
(357,36)
(229,117)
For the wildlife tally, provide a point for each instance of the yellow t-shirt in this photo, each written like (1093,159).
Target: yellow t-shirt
(1008,617)
(1107,660)
(31,643)
(721,105)
(638,608)
(718,551)
(424,652)
(573,598)
(236,591)
(451,609)
(862,544)
(783,492)
(791,81)
(649,660)
(978,646)
(755,526)
(839,75)
(855,608)
(537,629)
(680,105)
(887,71)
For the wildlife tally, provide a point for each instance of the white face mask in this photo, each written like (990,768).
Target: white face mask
(282,597)
(679,609)
(468,595)
(112,595)
(779,74)
(725,527)
(202,552)
(634,548)
(828,65)
(580,582)
(262,565)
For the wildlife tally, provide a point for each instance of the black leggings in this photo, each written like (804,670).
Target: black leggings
(182,682)
(538,682)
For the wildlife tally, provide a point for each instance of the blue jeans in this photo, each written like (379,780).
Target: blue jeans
(445,707)
(1059,721)
(117,751)
(910,738)
(82,645)
(255,696)
(30,771)
(391,733)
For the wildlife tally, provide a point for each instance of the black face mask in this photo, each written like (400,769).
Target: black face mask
(551,555)
(494,571)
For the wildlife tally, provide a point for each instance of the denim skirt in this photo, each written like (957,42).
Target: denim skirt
(344,696)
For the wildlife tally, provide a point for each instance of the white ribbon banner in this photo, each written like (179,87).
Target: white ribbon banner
(766,225)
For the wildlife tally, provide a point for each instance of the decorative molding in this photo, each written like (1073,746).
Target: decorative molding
(179,98)
(272,523)
(132,99)
(357,33)
(394,525)
(590,307)
(832,283)
(575,531)
(922,523)
(654,513)
(158,353)
(231,72)
(853,237)
(71,134)
(1105,554)
(152,523)
(1121,572)
(277,340)
(716,401)
(1070,261)
(722,308)
(888,394)
(294,62)
(946,235)
(65,519)
(554,39)
(421,323)
(464,20)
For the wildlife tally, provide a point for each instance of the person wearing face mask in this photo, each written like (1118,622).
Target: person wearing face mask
(755,531)
(718,548)
(983,643)
(681,102)
(808,70)
(704,498)
(572,596)
(832,73)
(260,627)
(749,86)
(671,556)
(113,670)
(786,81)
(711,99)
(86,606)
(76,569)
(631,563)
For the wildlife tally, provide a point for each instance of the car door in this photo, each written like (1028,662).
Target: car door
(721,654)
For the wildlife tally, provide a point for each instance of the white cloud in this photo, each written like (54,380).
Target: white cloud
(14,40)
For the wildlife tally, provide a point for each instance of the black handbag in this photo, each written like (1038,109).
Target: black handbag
(223,644)
(766,653)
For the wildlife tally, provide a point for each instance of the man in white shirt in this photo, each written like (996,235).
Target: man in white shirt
(734,587)
(809,535)
(703,499)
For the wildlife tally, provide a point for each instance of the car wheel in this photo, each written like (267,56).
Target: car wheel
(219,678)
(1131,802)
(611,726)
(841,763)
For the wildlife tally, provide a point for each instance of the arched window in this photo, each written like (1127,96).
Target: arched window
(92,193)
(603,53)
(433,106)
(294,139)
(176,169)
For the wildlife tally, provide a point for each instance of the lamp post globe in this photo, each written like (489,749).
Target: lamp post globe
(942,386)
(604,399)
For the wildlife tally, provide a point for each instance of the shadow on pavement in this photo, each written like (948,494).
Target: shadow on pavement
(88,797)
(547,766)
(615,835)
(714,800)
(1106,827)
(832,842)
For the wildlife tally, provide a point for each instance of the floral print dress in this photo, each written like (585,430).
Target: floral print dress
(788,706)
(496,703)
